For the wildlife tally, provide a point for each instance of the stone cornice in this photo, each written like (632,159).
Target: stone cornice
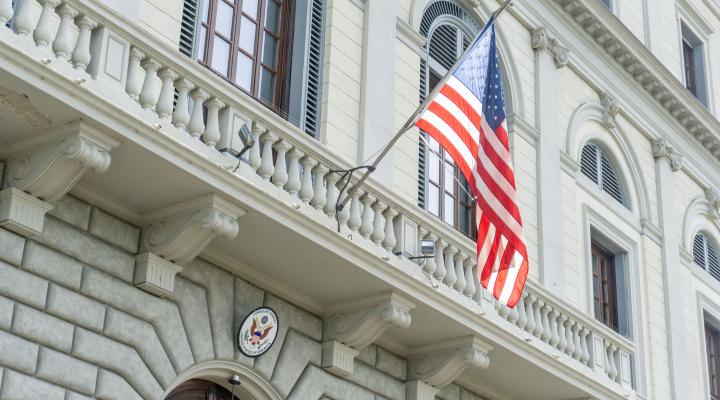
(620,44)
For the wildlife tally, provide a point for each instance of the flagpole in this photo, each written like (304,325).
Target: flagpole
(413,118)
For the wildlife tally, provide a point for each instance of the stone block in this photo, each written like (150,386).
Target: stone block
(75,396)
(298,351)
(17,353)
(368,355)
(142,337)
(17,386)
(113,387)
(247,298)
(72,211)
(76,308)
(449,392)
(418,390)
(193,305)
(109,354)
(22,213)
(6,313)
(52,265)
(114,230)
(155,274)
(42,328)
(391,364)
(66,371)
(377,381)
(23,286)
(11,247)
(88,249)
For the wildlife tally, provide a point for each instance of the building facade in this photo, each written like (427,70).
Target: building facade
(169,167)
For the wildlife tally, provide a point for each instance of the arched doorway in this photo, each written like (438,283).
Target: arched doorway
(200,389)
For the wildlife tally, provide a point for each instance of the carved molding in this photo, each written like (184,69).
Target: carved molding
(661,149)
(610,108)
(440,364)
(155,274)
(541,39)
(357,324)
(180,232)
(713,203)
(337,358)
(22,213)
(49,166)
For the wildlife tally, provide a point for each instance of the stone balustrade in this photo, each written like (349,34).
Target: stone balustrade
(176,93)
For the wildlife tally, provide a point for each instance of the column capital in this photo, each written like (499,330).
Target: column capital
(661,149)
(541,40)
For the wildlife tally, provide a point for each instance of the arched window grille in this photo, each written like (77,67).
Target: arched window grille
(596,165)
(705,255)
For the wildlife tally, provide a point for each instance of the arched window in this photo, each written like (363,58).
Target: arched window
(443,190)
(198,389)
(597,166)
(705,255)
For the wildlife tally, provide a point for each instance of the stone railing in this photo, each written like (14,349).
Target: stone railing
(182,98)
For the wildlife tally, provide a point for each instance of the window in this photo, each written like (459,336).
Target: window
(712,348)
(271,49)
(604,286)
(608,4)
(693,64)
(596,165)
(705,255)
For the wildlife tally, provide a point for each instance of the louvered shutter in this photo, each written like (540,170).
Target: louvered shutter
(188,26)
(609,180)
(313,95)
(588,162)
(713,264)
(699,254)
(705,255)
(596,165)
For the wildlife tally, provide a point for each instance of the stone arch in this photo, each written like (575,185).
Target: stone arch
(591,122)
(699,217)
(252,386)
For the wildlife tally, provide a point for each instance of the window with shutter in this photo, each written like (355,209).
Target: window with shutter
(597,166)
(271,49)
(706,255)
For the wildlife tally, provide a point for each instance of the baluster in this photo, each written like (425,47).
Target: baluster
(460,283)
(280,175)
(522,316)
(503,310)
(355,211)
(546,334)
(306,186)
(538,318)
(196,127)
(332,194)
(267,167)
(469,281)
(343,215)
(62,46)
(6,12)
(570,344)
(440,270)
(212,128)
(429,266)
(562,343)
(554,337)
(164,105)
(477,297)
(530,312)
(181,116)
(378,233)
(147,95)
(389,242)
(514,315)
(577,352)
(612,373)
(23,21)
(320,195)
(585,357)
(255,159)
(367,217)
(450,276)
(81,55)
(293,183)
(43,31)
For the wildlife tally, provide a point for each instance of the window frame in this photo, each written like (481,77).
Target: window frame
(605,299)
(712,356)
(692,35)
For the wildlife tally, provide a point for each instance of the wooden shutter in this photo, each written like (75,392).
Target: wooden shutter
(188,26)
(313,97)
(588,162)
(596,165)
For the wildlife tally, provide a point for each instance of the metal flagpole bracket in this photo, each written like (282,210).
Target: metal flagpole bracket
(346,175)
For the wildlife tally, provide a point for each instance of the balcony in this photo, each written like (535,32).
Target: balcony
(173,127)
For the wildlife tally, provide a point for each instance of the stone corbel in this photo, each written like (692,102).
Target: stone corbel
(352,326)
(541,39)
(661,149)
(47,167)
(713,198)
(175,235)
(610,108)
(438,365)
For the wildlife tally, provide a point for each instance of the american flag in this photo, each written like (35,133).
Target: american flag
(466,115)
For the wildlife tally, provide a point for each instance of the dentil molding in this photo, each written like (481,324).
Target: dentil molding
(661,149)
(349,327)
(440,364)
(47,167)
(180,232)
(540,40)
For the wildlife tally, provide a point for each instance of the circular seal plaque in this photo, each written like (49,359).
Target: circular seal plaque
(258,332)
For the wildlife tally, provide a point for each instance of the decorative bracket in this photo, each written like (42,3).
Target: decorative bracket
(48,167)
(352,326)
(541,39)
(610,108)
(180,232)
(713,198)
(661,149)
(440,364)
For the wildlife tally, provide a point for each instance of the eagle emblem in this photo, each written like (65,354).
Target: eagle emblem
(257,332)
